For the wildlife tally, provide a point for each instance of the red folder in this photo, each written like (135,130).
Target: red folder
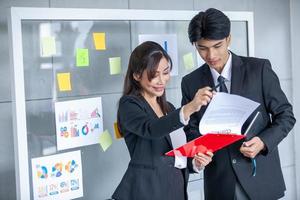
(209,142)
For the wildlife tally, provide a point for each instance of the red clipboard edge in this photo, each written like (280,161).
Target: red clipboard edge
(172,152)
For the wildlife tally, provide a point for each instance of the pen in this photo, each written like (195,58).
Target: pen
(215,87)
(253,160)
(218,85)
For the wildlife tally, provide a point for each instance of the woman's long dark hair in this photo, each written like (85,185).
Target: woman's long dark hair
(146,56)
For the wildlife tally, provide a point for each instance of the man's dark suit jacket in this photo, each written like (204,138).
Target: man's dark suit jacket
(252,78)
(150,174)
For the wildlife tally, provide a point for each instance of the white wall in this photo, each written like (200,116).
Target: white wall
(295,52)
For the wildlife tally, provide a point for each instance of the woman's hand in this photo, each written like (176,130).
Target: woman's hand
(201,98)
(201,160)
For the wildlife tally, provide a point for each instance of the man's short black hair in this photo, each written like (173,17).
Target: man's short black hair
(211,24)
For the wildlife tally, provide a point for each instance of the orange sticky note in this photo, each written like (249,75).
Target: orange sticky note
(64,82)
(99,41)
(118,134)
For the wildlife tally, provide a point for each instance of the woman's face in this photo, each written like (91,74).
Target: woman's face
(155,87)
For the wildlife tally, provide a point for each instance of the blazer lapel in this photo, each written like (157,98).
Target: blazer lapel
(237,75)
(207,77)
(168,138)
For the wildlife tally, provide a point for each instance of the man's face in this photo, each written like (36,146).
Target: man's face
(214,52)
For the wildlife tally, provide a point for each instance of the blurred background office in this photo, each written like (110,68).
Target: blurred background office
(276,37)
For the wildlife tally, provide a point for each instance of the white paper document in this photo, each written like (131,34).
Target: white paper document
(226,113)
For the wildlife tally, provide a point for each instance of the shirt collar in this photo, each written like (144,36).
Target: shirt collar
(226,72)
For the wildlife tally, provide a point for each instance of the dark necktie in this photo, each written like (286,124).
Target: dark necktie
(223,87)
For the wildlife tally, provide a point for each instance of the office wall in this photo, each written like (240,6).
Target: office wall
(295,44)
(7,173)
(272,40)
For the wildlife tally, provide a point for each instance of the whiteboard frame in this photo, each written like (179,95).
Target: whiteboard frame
(15,17)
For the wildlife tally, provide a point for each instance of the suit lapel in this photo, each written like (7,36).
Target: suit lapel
(237,75)
(207,77)
(168,138)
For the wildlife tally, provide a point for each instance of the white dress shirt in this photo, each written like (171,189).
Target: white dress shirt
(226,73)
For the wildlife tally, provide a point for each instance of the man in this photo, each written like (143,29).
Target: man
(231,174)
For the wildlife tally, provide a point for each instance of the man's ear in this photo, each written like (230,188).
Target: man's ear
(136,77)
(228,39)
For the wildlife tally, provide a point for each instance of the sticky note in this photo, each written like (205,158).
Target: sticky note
(48,46)
(64,81)
(117,131)
(115,65)
(105,140)
(188,61)
(82,57)
(99,41)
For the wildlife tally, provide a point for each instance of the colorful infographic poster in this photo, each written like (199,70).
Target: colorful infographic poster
(78,122)
(57,177)
(168,42)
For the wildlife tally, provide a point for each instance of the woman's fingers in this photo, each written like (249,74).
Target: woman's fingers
(203,159)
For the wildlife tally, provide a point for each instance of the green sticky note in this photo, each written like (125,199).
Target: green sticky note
(188,61)
(82,57)
(115,65)
(105,140)
(48,46)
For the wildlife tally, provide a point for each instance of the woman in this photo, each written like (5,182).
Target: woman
(146,120)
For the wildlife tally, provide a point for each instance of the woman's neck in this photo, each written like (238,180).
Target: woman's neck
(152,101)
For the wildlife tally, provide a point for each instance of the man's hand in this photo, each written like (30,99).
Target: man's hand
(252,147)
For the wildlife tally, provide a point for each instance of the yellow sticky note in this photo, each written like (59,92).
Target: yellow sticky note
(115,65)
(64,81)
(99,41)
(48,46)
(188,61)
(105,140)
(118,134)
(82,57)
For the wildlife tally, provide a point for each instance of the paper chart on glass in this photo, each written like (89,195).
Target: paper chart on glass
(226,113)
(57,176)
(78,122)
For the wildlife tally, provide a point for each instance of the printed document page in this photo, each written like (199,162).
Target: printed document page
(226,113)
